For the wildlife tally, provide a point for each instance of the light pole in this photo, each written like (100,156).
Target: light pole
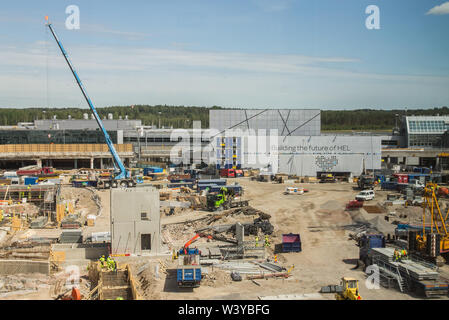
(159,120)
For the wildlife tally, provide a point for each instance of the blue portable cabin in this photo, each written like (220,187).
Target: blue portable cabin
(180,184)
(31,180)
(84,183)
(422,170)
(368,242)
(149,170)
(389,185)
(202,187)
(218,182)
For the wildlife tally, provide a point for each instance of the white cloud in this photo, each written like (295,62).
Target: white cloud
(440,10)
(125,75)
(144,59)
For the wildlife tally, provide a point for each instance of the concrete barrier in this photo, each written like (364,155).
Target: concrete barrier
(24,266)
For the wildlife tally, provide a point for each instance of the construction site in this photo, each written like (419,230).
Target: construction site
(104,209)
(277,239)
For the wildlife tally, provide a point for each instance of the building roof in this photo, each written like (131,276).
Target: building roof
(427,124)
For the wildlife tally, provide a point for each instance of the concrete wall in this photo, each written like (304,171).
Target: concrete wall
(24,266)
(81,251)
(127,226)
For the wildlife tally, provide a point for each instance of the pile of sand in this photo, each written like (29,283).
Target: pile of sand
(216,278)
(146,283)
(332,205)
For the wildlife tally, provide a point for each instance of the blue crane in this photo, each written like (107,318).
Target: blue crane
(120,171)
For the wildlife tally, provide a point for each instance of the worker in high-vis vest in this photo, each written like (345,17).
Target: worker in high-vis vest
(109,263)
(267,241)
(257,241)
(102,261)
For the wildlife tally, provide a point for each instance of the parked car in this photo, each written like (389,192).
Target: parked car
(365,195)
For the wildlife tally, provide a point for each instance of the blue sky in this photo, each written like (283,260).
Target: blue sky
(233,53)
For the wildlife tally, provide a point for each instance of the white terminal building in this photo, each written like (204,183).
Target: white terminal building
(292,141)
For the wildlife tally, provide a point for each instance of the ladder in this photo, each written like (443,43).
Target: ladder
(392,271)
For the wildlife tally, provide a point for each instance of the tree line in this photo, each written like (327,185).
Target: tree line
(182,116)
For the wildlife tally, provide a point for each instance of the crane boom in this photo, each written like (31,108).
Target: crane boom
(120,170)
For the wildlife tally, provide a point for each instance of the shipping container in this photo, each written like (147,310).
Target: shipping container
(402,178)
(228,173)
(149,170)
(218,182)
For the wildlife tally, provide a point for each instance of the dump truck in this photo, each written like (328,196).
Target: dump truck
(188,273)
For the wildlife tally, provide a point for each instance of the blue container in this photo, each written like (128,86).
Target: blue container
(149,170)
(190,275)
(84,183)
(31,180)
(181,184)
(218,182)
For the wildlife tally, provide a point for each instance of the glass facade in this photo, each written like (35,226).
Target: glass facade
(426,131)
(428,126)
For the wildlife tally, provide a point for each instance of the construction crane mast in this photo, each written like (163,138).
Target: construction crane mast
(432,242)
(120,171)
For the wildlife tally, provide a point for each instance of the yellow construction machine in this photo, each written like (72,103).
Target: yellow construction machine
(433,240)
(350,289)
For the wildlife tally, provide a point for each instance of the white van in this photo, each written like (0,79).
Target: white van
(365,195)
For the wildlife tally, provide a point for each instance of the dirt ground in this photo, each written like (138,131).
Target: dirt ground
(327,253)
(318,216)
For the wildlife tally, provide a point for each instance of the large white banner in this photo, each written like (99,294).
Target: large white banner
(305,156)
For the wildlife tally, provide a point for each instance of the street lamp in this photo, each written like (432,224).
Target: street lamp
(159,119)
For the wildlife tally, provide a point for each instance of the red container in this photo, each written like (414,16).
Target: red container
(227,173)
(402,178)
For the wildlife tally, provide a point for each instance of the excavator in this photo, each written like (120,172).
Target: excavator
(432,242)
